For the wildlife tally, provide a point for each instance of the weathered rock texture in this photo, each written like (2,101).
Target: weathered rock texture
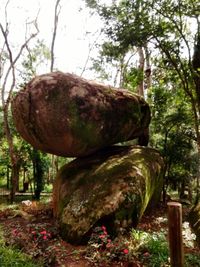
(113,186)
(65,115)
(194,219)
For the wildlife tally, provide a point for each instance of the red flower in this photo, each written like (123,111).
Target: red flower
(43,232)
(44,237)
(103,228)
(15,232)
(102,236)
(146,254)
(126,251)
(109,245)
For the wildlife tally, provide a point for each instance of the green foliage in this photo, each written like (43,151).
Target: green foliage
(13,257)
(172,129)
(38,55)
(152,247)
(158,250)
(192,260)
(101,248)
(48,188)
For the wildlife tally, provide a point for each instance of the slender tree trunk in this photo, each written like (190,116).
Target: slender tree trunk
(196,77)
(190,192)
(197,199)
(140,87)
(15,165)
(38,173)
(121,73)
(56,16)
(148,75)
(14,181)
(8,177)
(57,9)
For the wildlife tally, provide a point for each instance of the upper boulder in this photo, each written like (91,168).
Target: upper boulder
(66,115)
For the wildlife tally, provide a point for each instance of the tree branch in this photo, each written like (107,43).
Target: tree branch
(56,16)
(91,46)
(13,61)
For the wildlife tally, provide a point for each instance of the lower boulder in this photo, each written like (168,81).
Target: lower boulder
(112,187)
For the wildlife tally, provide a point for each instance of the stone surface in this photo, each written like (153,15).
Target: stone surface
(66,115)
(113,187)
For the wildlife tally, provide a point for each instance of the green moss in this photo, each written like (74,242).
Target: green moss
(84,130)
(119,183)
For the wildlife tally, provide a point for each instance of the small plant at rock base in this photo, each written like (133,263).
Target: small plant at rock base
(102,248)
(156,251)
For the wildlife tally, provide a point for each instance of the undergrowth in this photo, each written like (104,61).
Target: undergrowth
(10,257)
(21,243)
(149,248)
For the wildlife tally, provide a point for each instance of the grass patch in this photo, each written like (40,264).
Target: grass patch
(10,257)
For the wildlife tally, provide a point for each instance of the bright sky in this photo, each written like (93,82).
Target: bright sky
(72,43)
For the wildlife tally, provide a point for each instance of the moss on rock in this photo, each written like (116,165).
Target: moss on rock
(117,181)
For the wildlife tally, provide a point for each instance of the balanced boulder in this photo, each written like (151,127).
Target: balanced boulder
(66,115)
(112,187)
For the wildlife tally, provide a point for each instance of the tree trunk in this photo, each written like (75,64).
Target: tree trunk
(38,173)
(14,181)
(197,198)
(196,75)
(148,75)
(190,192)
(54,167)
(140,88)
(15,160)
(8,177)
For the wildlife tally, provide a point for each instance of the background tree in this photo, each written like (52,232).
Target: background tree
(57,9)
(6,94)
(170,29)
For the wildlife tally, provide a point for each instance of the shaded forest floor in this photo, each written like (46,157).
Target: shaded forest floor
(31,228)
